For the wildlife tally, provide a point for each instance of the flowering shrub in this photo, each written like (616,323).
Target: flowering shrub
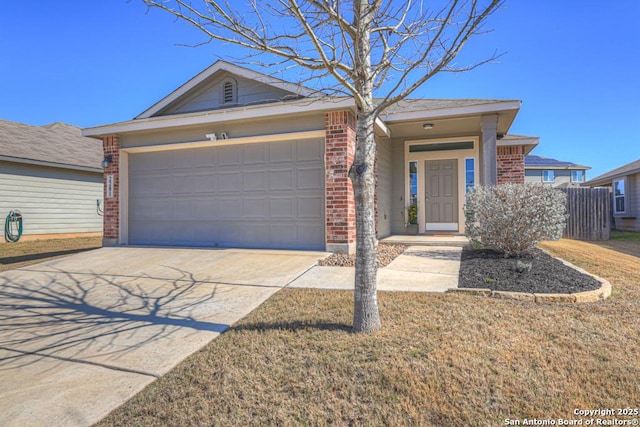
(513,218)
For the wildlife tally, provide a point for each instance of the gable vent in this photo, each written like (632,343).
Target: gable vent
(228,92)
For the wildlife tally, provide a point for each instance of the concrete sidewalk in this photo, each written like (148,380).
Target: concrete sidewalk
(418,269)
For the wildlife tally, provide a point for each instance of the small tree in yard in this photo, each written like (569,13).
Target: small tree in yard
(359,48)
(513,218)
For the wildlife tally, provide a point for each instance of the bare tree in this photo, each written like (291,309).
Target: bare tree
(361,48)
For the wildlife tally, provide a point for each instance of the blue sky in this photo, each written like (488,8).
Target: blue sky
(574,64)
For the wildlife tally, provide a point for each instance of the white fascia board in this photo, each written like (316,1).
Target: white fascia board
(216,116)
(382,127)
(455,111)
(519,141)
(233,69)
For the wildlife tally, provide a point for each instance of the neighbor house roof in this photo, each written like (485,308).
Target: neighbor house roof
(628,169)
(539,162)
(56,145)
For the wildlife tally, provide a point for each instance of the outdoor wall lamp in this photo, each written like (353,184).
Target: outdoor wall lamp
(107,161)
(427,126)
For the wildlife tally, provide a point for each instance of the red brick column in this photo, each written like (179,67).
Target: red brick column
(340,212)
(111,227)
(511,164)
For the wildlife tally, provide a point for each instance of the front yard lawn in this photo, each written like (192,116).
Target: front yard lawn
(444,359)
(24,253)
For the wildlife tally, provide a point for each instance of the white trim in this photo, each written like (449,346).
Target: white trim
(221,142)
(459,155)
(380,125)
(123,173)
(230,68)
(441,226)
(623,196)
(549,170)
(454,111)
(520,141)
(217,116)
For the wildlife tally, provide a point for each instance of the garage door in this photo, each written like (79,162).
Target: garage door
(267,195)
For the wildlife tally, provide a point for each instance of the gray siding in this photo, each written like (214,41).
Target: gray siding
(210,96)
(233,130)
(633,198)
(51,200)
(385,187)
(397,198)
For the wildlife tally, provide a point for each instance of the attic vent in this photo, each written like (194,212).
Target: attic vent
(229,92)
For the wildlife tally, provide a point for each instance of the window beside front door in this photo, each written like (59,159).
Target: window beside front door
(469,173)
(619,197)
(548,176)
(413,193)
(577,176)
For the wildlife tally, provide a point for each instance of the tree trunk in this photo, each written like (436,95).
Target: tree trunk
(366,317)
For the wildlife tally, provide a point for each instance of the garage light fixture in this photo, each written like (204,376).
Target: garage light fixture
(108,159)
(427,126)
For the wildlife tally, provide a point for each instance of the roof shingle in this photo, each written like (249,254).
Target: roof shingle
(58,143)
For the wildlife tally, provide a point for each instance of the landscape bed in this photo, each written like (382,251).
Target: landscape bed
(483,268)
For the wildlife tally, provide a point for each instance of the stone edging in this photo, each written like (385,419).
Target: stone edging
(588,296)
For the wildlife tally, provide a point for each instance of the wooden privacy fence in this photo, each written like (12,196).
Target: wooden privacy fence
(589,211)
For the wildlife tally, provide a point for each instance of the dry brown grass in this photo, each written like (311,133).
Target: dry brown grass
(441,360)
(22,254)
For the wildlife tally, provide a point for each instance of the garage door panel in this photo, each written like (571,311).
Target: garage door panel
(310,207)
(206,157)
(255,208)
(229,156)
(281,179)
(230,182)
(255,181)
(281,152)
(183,184)
(258,195)
(254,154)
(311,152)
(206,183)
(310,178)
(229,207)
(282,207)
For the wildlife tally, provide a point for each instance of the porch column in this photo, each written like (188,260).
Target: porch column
(340,211)
(489,149)
(111,201)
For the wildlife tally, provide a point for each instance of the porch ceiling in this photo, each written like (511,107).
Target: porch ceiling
(448,126)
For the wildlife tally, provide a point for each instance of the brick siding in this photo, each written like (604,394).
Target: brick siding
(511,164)
(111,146)
(340,142)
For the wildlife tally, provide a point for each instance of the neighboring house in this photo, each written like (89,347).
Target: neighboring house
(52,174)
(236,158)
(557,173)
(624,183)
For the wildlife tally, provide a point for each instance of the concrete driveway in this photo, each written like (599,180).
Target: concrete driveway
(80,335)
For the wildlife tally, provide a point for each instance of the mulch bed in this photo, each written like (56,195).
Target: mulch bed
(387,252)
(481,268)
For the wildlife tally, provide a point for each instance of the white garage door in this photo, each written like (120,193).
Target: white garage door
(267,195)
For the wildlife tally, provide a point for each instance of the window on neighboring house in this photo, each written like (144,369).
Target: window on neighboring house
(577,176)
(229,92)
(470,173)
(619,197)
(548,176)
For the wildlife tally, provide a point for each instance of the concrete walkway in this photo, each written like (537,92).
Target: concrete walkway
(81,335)
(418,269)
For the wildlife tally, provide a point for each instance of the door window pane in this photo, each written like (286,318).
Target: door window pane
(413,193)
(470,173)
